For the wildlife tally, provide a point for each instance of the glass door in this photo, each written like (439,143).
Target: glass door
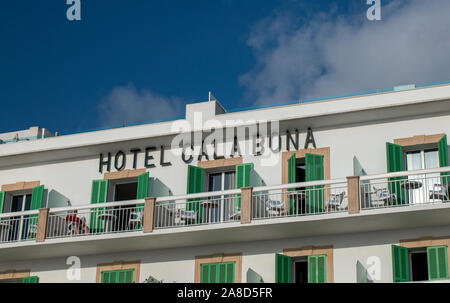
(20,224)
(420,185)
(220,207)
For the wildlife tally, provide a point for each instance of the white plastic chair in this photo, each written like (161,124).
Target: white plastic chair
(335,200)
(275,207)
(439,192)
(383,196)
(187,215)
(136,218)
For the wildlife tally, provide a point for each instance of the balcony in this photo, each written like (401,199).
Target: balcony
(351,205)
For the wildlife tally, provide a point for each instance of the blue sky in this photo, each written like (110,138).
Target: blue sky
(131,61)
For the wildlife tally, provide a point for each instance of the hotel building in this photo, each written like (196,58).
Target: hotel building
(343,189)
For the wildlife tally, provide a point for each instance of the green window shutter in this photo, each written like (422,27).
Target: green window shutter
(437,262)
(317,269)
(242,180)
(443,158)
(142,192)
(37,197)
(394,162)
(33,279)
(194,180)
(314,172)
(230,272)
(142,188)
(118,276)
(204,273)
(243,174)
(99,194)
(217,272)
(282,269)
(2,201)
(292,178)
(213,273)
(195,185)
(291,169)
(400,264)
(106,277)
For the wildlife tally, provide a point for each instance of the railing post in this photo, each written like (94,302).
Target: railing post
(353,194)
(246,204)
(149,210)
(42,224)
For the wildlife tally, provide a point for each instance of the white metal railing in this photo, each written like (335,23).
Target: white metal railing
(96,219)
(217,208)
(405,188)
(20,226)
(287,200)
(300,199)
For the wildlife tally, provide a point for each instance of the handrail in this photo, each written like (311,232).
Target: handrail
(97,205)
(406,173)
(20,213)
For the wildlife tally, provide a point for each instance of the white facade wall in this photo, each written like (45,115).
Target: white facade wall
(178,264)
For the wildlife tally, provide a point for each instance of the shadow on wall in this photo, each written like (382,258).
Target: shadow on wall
(362,275)
(159,189)
(255,179)
(253,277)
(55,199)
(358,170)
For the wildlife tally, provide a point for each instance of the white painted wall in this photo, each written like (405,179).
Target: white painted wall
(177,265)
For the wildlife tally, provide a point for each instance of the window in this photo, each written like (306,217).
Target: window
(417,160)
(300,270)
(120,218)
(222,272)
(419,264)
(305,269)
(420,152)
(118,276)
(33,279)
(217,178)
(309,199)
(19,226)
(215,211)
(124,191)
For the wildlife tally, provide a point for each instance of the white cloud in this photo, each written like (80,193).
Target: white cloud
(125,105)
(328,54)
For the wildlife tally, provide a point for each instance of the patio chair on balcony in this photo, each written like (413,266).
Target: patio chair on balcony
(235,215)
(136,219)
(275,208)
(439,192)
(32,230)
(187,215)
(383,197)
(335,201)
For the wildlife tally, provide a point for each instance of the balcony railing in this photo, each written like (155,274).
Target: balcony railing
(198,209)
(300,199)
(113,217)
(230,206)
(405,188)
(18,226)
